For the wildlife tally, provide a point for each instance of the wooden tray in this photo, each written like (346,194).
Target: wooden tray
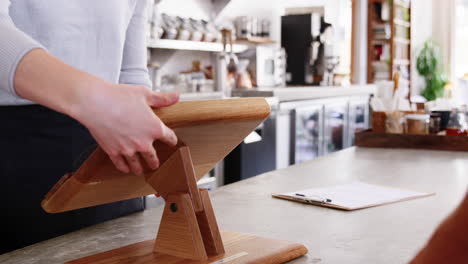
(372,139)
(211,129)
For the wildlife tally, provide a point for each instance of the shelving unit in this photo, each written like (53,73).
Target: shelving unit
(389,39)
(193,45)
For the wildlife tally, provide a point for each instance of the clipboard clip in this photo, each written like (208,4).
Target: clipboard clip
(312,199)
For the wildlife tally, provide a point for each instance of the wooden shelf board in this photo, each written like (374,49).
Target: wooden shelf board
(256,40)
(193,45)
(381,40)
(402,41)
(401,62)
(380,23)
(401,22)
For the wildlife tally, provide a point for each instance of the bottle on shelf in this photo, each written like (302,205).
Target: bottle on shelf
(457,124)
(243,79)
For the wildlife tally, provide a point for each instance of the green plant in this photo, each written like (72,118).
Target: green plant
(429,66)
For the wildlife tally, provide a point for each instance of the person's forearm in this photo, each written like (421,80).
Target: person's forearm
(118,116)
(449,243)
(44,79)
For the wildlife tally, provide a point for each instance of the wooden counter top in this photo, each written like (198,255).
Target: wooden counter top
(387,234)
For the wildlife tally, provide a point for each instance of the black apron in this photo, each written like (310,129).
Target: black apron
(37,147)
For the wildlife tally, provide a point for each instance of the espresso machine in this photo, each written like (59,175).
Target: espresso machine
(308,42)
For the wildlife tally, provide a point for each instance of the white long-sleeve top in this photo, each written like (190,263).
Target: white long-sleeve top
(102,37)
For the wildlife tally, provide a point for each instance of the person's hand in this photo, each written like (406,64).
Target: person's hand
(118,116)
(121,120)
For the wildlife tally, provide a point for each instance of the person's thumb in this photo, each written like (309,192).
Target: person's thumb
(157,99)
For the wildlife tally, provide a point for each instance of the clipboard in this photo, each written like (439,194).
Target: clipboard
(353,196)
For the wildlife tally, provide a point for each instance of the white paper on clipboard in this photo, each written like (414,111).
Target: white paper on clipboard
(356,195)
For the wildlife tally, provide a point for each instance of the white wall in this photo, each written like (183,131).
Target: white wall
(421,30)
(444,31)
(360,45)
(434,20)
(199,9)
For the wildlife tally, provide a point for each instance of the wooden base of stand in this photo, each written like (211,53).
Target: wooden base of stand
(240,248)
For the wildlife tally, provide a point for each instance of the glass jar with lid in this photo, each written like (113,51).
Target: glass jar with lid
(457,124)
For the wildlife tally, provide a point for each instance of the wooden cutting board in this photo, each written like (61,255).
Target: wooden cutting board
(240,248)
(211,129)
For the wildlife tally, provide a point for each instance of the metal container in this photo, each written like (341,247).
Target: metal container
(184,29)
(243,26)
(255,29)
(266,28)
(169,26)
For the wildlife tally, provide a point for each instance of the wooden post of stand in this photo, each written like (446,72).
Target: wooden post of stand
(188,227)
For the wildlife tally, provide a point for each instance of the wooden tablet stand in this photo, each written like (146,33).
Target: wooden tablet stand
(188,227)
(188,232)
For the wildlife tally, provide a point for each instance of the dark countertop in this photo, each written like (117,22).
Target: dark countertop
(386,234)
